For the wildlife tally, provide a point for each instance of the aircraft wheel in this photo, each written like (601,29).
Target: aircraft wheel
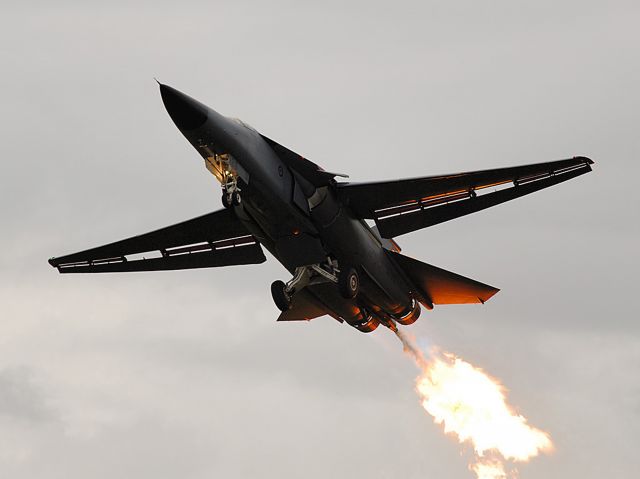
(236,199)
(280,297)
(225,200)
(348,283)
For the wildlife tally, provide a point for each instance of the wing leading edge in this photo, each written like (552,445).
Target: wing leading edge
(214,239)
(402,206)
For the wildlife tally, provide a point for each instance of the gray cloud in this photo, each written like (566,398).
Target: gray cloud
(20,398)
(187,373)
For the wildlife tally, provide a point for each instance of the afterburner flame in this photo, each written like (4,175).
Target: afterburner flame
(489,470)
(472,405)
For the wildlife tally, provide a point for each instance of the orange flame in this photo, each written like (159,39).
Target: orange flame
(472,405)
(489,470)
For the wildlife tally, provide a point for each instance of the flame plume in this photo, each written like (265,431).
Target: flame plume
(472,405)
(493,469)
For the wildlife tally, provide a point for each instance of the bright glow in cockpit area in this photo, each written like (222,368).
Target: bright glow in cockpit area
(220,166)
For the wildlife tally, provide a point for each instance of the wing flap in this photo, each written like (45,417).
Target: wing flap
(440,286)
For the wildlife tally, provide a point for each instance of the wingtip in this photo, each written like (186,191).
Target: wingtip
(585,159)
(489,295)
(54,263)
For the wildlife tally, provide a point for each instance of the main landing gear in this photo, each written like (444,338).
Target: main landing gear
(283,292)
(347,280)
(348,283)
(280,296)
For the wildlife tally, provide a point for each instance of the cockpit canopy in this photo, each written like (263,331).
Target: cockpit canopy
(246,125)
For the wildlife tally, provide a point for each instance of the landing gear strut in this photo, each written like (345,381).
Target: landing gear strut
(283,292)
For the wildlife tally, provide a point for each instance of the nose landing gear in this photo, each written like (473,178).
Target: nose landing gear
(231,193)
(230,199)
(233,199)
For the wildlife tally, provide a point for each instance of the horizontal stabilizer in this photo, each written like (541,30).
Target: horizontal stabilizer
(439,286)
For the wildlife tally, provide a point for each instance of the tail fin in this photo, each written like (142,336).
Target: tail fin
(440,286)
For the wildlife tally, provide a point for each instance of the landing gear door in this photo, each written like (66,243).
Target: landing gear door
(238,169)
(300,250)
(299,199)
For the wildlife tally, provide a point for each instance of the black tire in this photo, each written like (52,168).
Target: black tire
(280,297)
(225,200)
(348,283)
(236,199)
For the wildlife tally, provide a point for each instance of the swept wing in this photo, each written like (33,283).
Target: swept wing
(214,239)
(402,206)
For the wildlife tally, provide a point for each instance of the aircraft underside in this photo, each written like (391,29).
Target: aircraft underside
(340,265)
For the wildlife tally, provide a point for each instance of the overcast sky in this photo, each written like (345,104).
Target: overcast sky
(187,374)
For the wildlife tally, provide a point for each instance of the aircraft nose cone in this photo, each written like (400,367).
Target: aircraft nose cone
(186,113)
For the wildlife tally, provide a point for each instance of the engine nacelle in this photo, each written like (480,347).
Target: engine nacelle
(411,316)
(368,325)
(364,322)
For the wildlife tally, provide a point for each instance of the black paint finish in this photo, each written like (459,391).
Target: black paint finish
(303,216)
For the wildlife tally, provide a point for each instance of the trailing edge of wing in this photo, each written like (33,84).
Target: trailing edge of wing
(214,239)
(402,206)
(248,253)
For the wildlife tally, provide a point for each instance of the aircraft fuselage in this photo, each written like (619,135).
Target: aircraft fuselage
(299,223)
(317,227)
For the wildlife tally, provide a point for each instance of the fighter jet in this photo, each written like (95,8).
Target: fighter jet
(335,237)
